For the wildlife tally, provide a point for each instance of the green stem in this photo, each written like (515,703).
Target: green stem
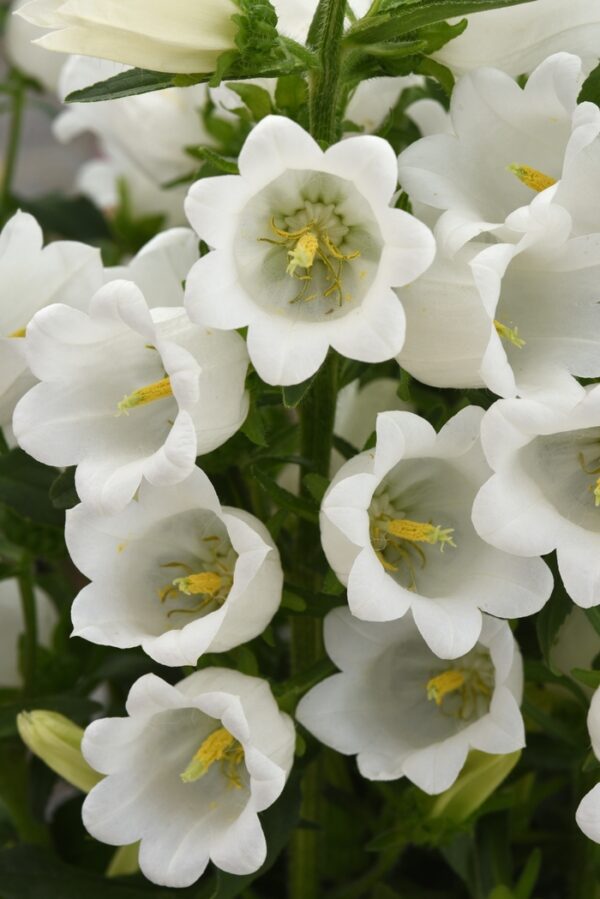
(324,81)
(317,415)
(12,148)
(28,605)
(4,447)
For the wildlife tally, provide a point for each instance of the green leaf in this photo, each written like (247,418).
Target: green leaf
(589,678)
(218,163)
(403,16)
(25,486)
(72,218)
(528,879)
(256,98)
(593,616)
(293,396)
(293,602)
(63,494)
(590,92)
(254,426)
(131,83)
(291,95)
(284,499)
(316,485)
(331,585)
(549,621)
(551,725)
(14,795)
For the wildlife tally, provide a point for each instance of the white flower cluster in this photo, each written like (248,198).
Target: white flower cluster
(130,374)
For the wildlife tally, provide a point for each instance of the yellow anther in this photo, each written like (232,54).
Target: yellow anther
(20,333)
(510,334)
(303,254)
(537,181)
(596,492)
(444,683)
(207,583)
(420,532)
(149,394)
(220,746)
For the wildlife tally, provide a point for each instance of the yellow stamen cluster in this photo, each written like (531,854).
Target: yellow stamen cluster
(444,683)
(469,683)
(305,247)
(20,333)
(596,488)
(206,583)
(531,178)
(420,532)
(222,747)
(510,334)
(144,395)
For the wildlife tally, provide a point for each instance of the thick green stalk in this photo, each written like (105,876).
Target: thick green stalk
(325,81)
(12,148)
(28,605)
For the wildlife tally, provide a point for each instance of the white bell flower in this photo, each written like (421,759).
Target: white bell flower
(306,251)
(588,813)
(406,713)
(160,268)
(396,529)
(448,329)
(35,61)
(174,572)
(521,318)
(516,39)
(31,277)
(185,37)
(545,492)
(142,139)
(187,772)
(13,626)
(127,394)
(509,144)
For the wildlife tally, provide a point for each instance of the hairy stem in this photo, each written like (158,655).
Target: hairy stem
(324,81)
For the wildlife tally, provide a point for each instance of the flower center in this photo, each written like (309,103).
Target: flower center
(307,246)
(510,334)
(396,540)
(596,488)
(532,178)
(212,585)
(158,390)
(462,692)
(222,747)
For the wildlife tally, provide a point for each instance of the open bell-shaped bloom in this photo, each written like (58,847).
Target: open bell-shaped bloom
(30,58)
(183,37)
(406,713)
(588,812)
(127,393)
(396,529)
(174,572)
(187,772)
(306,251)
(509,144)
(545,492)
(33,276)
(518,38)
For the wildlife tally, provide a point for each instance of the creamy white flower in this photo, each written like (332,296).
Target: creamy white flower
(36,61)
(588,813)
(161,267)
(127,394)
(187,772)
(404,712)
(544,494)
(174,573)
(167,37)
(12,627)
(448,329)
(375,98)
(306,251)
(142,139)
(33,276)
(358,406)
(396,529)
(508,144)
(519,38)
